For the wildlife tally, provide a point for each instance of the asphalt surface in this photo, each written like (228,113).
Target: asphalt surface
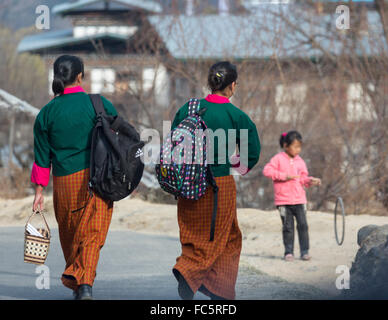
(132,266)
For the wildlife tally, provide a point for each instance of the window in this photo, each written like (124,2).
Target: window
(84,31)
(359,105)
(182,87)
(289,100)
(162,86)
(102,80)
(157,79)
(50,81)
(148,78)
(134,84)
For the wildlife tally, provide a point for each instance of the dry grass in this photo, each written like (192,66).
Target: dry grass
(15,183)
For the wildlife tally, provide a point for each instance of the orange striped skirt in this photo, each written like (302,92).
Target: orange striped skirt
(210,267)
(83,225)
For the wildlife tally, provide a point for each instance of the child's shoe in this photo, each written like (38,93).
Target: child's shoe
(289,257)
(305,257)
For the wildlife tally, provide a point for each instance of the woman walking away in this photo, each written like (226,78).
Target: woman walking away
(290,176)
(211,266)
(62,140)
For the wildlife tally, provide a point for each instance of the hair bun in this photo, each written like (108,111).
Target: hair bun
(217,80)
(221,75)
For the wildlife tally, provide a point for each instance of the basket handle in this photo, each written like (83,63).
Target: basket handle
(35,212)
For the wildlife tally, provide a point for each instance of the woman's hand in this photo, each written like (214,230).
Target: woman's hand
(315,181)
(38,200)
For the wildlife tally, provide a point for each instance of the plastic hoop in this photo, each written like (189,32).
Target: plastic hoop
(339,200)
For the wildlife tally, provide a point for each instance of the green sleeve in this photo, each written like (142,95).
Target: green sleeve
(179,116)
(109,108)
(254,146)
(41,143)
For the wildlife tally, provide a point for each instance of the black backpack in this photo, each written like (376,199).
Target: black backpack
(116,167)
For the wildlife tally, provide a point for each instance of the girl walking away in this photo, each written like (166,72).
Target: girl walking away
(62,141)
(290,176)
(211,266)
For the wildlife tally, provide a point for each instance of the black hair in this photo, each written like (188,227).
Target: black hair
(221,75)
(66,70)
(288,138)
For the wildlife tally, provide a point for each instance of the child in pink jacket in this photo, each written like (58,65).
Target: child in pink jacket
(290,178)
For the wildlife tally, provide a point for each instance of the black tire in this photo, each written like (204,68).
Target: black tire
(336,214)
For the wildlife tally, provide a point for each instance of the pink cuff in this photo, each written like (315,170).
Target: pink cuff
(40,175)
(236,165)
(282,176)
(307,182)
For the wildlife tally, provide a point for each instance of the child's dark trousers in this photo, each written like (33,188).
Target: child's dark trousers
(287,214)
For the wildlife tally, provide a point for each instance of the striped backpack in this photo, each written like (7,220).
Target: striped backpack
(185,172)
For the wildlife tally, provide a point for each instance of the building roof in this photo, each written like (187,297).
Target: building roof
(85,5)
(259,35)
(60,38)
(8,101)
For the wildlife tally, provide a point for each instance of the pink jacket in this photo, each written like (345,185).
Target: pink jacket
(292,191)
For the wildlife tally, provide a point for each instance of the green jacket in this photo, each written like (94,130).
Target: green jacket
(226,116)
(62,133)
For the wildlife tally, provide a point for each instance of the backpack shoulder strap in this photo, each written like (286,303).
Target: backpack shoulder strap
(97,103)
(212,182)
(194,106)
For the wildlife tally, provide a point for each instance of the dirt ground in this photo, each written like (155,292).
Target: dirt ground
(262,246)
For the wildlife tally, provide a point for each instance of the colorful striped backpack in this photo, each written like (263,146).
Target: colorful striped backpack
(184,172)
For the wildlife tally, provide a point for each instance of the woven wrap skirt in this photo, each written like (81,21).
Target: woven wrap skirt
(210,266)
(83,224)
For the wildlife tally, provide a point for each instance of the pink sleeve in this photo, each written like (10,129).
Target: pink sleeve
(40,175)
(236,165)
(271,171)
(304,175)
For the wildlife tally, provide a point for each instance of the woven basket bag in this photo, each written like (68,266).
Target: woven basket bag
(36,248)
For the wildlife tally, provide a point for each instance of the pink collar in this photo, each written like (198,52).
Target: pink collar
(215,98)
(73,90)
(288,157)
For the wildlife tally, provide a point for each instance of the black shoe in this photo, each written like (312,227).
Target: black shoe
(184,289)
(84,292)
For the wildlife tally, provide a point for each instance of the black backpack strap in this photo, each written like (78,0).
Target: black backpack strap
(213,183)
(214,214)
(97,104)
(99,109)
(194,106)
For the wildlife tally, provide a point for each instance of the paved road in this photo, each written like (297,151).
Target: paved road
(131,266)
